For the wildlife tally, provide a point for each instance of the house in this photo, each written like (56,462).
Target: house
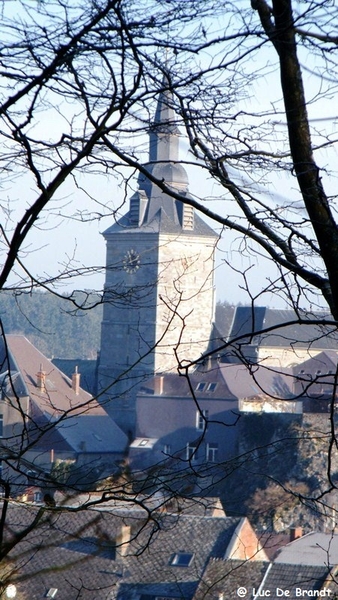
(47,419)
(185,419)
(222,579)
(118,553)
(198,419)
(313,548)
(195,419)
(278,337)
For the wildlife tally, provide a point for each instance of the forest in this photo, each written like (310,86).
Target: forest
(57,330)
(51,323)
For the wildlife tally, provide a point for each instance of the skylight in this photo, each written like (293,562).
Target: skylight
(181,559)
(200,386)
(211,387)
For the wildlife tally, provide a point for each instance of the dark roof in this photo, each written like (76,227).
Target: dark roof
(289,577)
(78,551)
(177,386)
(248,321)
(161,222)
(93,434)
(162,213)
(226,576)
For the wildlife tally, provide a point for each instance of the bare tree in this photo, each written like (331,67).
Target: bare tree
(78,90)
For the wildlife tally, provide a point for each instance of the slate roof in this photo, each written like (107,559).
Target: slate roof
(77,552)
(163,213)
(290,577)
(177,386)
(248,320)
(311,549)
(69,421)
(226,576)
(161,222)
(59,395)
(258,381)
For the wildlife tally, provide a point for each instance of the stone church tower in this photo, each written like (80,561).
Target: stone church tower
(159,289)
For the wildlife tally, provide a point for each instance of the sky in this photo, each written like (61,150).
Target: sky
(69,237)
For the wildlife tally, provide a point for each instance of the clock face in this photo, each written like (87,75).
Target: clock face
(131,261)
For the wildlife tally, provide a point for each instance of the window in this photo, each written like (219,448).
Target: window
(211,387)
(1,426)
(212,452)
(167,449)
(200,386)
(206,387)
(181,559)
(201,419)
(37,496)
(191,452)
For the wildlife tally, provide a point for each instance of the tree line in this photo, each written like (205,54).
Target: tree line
(58,331)
(51,325)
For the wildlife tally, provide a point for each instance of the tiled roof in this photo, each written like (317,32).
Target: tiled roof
(222,579)
(58,396)
(290,577)
(226,576)
(55,410)
(76,551)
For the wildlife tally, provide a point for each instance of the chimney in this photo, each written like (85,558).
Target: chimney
(295,533)
(123,539)
(41,379)
(76,381)
(158,385)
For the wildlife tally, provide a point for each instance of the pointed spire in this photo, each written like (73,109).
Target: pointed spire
(164,136)
(164,147)
(164,165)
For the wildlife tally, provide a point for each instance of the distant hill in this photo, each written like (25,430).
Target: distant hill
(58,330)
(53,324)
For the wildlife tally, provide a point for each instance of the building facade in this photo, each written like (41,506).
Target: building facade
(159,288)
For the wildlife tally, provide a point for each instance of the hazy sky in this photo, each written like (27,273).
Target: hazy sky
(71,236)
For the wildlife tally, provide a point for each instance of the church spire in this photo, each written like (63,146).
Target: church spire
(164,135)
(164,155)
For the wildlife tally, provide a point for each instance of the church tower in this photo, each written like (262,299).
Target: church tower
(159,289)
